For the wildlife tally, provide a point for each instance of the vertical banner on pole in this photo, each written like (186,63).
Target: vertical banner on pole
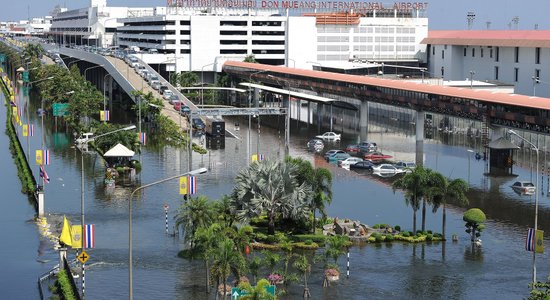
(39,157)
(31,129)
(25,130)
(192,181)
(183,185)
(89,236)
(104,115)
(539,241)
(47,157)
(143,138)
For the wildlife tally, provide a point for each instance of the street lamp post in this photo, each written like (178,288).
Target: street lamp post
(86,70)
(72,62)
(536,80)
(104,88)
(81,143)
(29,120)
(248,145)
(130,262)
(472,73)
(536,198)
(287,118)
(202,81)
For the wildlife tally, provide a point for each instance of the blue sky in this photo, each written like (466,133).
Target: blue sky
(443,14)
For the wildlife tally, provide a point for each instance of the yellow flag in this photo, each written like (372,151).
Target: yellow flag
(66,236)
(39,157)
(254,157)
(183,185)
(539,241)
(77,236)
(26,131)
(14,111)
(102,115)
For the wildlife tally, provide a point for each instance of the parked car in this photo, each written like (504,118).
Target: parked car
(386,168)
(173,99)
(163,89)
(155,85)
(338,157)
(366,147)
(198,124)
(329,136)
(185,109)
(405,166)
(362,165)
(167,94)
(353,149)
(316,145)
(376,156)
(524,187)
(177,105)
(139,68)
(349,161)
(332,152)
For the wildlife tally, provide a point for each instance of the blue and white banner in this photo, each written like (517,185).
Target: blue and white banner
(89,236)
(530,241)
(192,185)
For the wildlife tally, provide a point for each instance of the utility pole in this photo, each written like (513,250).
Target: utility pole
(470,16)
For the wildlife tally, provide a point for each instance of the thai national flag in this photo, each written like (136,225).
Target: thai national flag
(530,241)
(192,185)
(44,175)
(143,138)
(260,157)
(89,236)
(46,157)
(31,129)
(107,116)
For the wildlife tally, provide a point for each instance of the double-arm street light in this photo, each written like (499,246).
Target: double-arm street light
(86,70)
(202,81)
(28,114)
(130,262)
(536,80)
(80,144)
(536,198)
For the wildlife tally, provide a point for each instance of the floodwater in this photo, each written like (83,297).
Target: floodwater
(500,268)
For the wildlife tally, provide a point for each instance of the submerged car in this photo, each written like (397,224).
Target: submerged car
(332,152)
(386,168)
(338,156)
(376,156)
(524,187)
(349,161)
(362,165)
(353,149)
(315,145)
(405,166)
(329,136)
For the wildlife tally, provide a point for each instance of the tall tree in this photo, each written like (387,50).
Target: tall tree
(413,184)
(226,259)
(194,214)
(206,240)
(320,181)
(335,247)
(444,189)
(270,187)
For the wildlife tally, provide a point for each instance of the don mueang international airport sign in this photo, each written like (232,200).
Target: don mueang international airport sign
(358,6)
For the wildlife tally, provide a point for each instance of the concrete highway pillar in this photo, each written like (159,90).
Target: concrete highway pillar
(308,113)
(298,108)
(256,97)
(364,120)
(320,112)
(232,94)
(420,119)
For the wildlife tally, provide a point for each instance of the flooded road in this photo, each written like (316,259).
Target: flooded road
(501,266)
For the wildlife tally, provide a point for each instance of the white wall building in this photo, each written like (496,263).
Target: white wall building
(514,57)
(201,39)
(93,25)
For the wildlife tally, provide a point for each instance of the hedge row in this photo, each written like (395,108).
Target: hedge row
(23,169)
(64,285)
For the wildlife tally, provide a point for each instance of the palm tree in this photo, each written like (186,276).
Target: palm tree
(270,187)
(444,189)
(194,214)
(413,184)
(303,265)
(206,240)
(254,266)
(225,259)
(223,211)
(320,181)
(258,292)
(335,247)
(271,259)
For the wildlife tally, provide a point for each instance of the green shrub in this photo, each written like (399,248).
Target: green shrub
(406,234)
(271,239)
(308,242)
(376,226)
(261,221)
(379,238)
(316,238)
(260,236)
(65,285)
(429,237)
(371,239)
(411,233)
(389,238)
(419,234)
(430,232)
(397,227)
(304,246)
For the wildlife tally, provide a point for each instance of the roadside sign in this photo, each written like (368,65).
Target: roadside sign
(236,293)
(60,109)
(2,58)
(25,76)
(166,207)
(83,257)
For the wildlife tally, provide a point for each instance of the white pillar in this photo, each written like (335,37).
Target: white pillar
(40,203)
(420,117)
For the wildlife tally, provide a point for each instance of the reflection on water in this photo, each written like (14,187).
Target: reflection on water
(452,270)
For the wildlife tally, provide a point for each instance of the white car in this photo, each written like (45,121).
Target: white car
(386,169)
(167,94)
(329,136)
(349,161)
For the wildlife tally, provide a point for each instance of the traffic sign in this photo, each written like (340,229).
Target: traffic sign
(25,76)
(236,292)
(83,257)
(166,207)
(60,109)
